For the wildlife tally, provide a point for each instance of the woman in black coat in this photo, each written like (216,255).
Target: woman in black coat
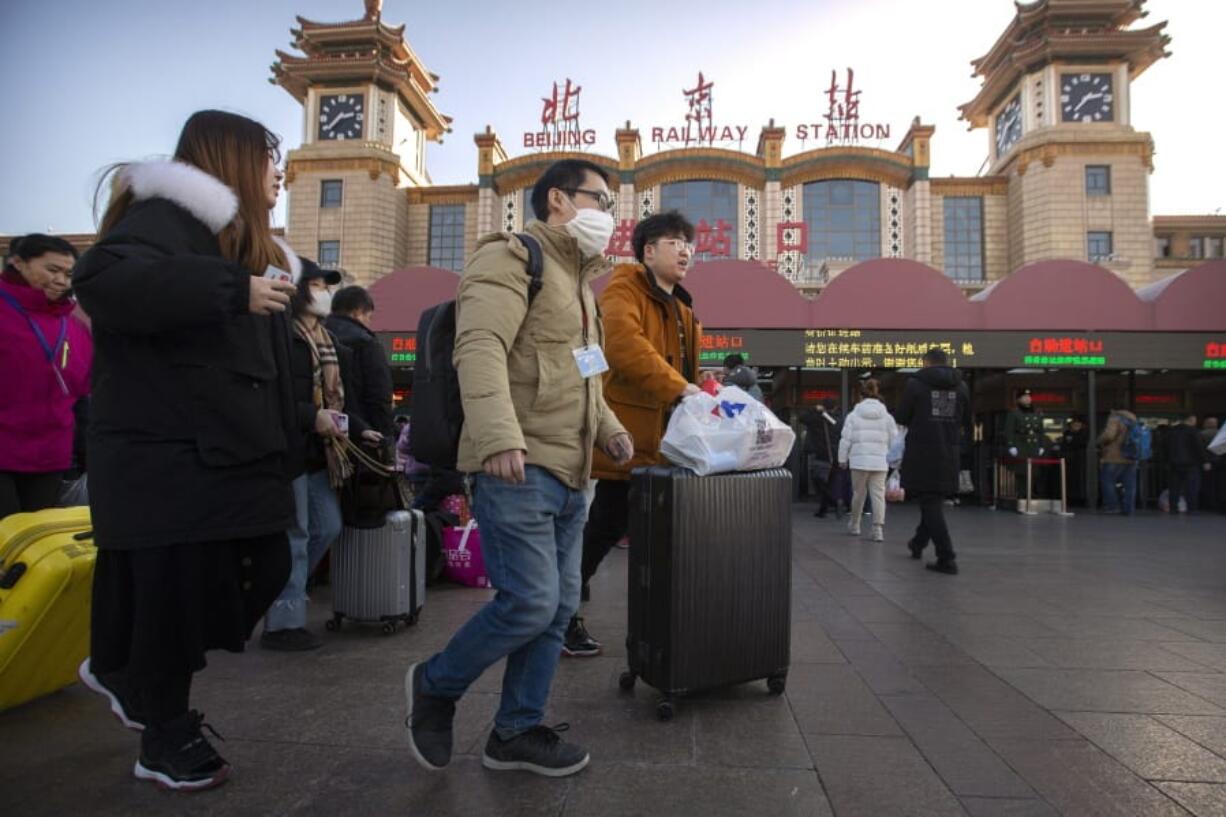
(188,437)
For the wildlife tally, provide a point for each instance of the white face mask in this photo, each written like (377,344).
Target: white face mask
(592,229)
(321,303)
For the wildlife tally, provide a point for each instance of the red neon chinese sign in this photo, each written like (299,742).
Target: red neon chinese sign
(1065,346)
(713,240)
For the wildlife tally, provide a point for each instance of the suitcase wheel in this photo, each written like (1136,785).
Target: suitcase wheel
(626,681)
(776,684)
(389,627)
(333,624)
(412,619)
(664,710)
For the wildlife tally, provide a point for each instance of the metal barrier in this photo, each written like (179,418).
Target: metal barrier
(1005,487)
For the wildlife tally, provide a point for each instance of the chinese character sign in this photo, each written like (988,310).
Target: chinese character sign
(713,241)
(560,120)
(844,103)
(556,113)
(621,245)
(699,99)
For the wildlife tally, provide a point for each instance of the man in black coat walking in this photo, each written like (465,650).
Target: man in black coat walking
(935,407)
(352,310)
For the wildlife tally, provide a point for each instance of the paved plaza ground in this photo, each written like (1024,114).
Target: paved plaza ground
(1077,666)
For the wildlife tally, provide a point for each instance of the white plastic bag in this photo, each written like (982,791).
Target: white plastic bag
(898,447)
(1218,446)
(730,431)
(893,488)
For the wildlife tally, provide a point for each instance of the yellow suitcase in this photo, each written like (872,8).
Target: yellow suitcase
(46,577)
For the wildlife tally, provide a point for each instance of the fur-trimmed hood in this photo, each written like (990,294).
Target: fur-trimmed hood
(204,196)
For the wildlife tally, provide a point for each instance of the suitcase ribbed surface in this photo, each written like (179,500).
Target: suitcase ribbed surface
(710,577)
(373,573)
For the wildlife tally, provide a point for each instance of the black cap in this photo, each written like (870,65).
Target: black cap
(312,270)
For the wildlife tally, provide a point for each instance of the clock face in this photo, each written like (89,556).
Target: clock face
(1009,125)
(340,116)
(1086,98)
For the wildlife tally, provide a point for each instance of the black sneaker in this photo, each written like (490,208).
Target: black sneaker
(538,750)
(948,568)
(177,755)
(114,689)
(917,550)
(428,721)
(578,643)
(295,640)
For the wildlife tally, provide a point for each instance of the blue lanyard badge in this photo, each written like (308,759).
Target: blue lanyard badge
(48,350)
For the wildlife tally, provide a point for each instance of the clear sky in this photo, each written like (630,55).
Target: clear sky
(90,83)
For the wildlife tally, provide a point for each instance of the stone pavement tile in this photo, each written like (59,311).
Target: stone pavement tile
(840,624)
(1187,603)
(1006,807)
(1202,799)
(383,782)
(1210,655)
(830,699)
(884,674)
(1207,730)
(997,651)
(1213,630)
(991,707)
(1209,685)
(588,678)
(875,609)
(1099,654)
(1081,690)
(1079,779)
(1112,628)
(964,762)
(623,728)
(632,790)
(811,645)
(988,624)
(917,646)
(1152,750)
(877,776)
(751,732)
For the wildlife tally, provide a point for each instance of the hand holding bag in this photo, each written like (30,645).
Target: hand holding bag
(726,432)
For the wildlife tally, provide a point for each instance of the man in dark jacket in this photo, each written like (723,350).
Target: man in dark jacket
(352,310)
(1187,456)
(822,431)
(935,406)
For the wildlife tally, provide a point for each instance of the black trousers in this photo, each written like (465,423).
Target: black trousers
(932,527)
(607,522)
(25,493)
(1185,484)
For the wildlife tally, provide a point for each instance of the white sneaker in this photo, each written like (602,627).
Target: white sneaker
(853,528)
(878,533)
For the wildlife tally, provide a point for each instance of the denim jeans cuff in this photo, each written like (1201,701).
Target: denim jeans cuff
(285,615)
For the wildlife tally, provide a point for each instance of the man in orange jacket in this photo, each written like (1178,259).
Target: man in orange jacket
(652,341)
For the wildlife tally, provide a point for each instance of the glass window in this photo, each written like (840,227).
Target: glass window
(329,254)
(1162,247)
(964,238)
(1098,245)
(331,192)
(844,220)
(1196,247)
(1098,180)
(1213,246)
(447,236)
(710,202)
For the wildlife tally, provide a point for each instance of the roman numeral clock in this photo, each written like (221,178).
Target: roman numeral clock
(1086,98)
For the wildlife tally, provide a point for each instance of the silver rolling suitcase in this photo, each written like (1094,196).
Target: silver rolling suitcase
(379,574)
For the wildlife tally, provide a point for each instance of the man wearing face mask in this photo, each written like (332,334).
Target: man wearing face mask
(530,381)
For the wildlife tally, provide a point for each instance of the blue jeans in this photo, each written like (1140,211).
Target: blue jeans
(532,542)
(1126,474)
(317,524)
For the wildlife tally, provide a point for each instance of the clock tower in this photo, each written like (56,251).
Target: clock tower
(1055,103)
(367,116)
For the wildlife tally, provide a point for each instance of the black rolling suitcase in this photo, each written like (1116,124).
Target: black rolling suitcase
(710,580)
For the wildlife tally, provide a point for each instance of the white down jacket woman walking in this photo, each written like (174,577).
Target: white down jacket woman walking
(867,434)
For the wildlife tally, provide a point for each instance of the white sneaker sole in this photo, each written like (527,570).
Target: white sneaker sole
(92,683)
(141,773)
(408,720)
(524,766)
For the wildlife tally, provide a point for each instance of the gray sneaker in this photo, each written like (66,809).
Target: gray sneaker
(538,750)
(428,721)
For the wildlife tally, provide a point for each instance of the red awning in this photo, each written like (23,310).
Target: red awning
(401,296)
(893,293)
(1063,295)
(1191,301)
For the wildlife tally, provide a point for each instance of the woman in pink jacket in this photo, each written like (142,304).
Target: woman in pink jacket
(45,354)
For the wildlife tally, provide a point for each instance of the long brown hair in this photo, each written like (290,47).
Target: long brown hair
(870,388)
(234,150)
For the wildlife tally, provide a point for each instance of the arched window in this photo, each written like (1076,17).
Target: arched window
(714,209)
(844,220)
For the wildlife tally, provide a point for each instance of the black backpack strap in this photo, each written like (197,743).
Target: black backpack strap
(536,265)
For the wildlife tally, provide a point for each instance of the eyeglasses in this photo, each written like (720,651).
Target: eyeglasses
(603,200)
(678,244)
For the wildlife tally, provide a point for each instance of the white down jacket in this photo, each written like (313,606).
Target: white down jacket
(867,434)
